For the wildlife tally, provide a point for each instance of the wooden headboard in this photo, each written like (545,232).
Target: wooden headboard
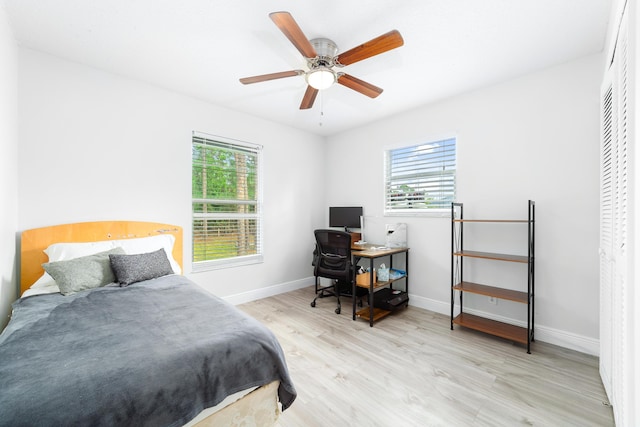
(35,241)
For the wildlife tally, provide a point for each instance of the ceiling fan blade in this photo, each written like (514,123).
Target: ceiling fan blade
(308,98)
(359,85)
(272,76)
(290,28)
(380,44)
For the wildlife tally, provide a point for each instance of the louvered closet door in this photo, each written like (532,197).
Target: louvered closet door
(621,363)
(607,181)
(615,363)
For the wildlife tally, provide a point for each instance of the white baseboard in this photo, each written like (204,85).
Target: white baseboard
(429,304)
(269,291)
(542,333)
(568,340)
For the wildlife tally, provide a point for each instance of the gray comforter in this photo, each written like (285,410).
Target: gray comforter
(154,353)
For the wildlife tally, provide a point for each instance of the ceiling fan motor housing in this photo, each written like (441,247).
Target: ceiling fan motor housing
(326,49)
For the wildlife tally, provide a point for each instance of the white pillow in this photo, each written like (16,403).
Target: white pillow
(44,281)
(66,251)
(141,245)
(43,289)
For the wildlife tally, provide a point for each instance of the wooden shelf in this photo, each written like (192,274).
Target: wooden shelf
(493,327)
(377,285)
(492,291)
(490,255)
(372,251)
(378,313)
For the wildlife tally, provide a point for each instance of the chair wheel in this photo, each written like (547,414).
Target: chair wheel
(338,310)
(313,303)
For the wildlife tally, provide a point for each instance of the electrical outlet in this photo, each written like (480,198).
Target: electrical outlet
(493,300)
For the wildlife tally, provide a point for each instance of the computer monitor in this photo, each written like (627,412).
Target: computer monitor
(345,216)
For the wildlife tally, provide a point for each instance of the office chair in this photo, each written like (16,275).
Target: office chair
(332,260)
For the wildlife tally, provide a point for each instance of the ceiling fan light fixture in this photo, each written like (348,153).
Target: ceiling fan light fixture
(321,78)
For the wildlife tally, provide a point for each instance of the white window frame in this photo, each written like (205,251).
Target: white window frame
(258,215)
(423,179)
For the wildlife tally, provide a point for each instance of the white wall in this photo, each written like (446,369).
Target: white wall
(106,147)
(535,137)
(8,167)
(96,146)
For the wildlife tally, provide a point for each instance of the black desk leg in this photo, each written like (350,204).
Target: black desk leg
(406,267)
(356,260)
(353,288)
(371,280)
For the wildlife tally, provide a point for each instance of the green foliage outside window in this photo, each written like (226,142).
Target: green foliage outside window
(224,200)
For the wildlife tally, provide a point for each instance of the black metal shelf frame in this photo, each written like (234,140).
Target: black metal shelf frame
(457,256)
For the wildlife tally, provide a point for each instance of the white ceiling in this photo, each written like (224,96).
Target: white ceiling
(202,47)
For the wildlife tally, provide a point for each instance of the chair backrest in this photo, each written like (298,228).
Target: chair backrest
(334,254)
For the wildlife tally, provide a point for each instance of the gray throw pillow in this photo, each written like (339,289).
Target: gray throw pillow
(79,274)
(136,268)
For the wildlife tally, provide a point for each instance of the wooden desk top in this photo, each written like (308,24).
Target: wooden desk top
(368,250)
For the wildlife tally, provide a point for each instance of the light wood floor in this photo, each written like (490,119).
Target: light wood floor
(410,369)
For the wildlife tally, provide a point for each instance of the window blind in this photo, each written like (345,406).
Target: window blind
(226,202)
(420,177)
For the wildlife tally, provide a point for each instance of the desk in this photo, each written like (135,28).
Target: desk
(371,253)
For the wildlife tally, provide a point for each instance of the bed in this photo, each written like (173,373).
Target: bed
(153,348)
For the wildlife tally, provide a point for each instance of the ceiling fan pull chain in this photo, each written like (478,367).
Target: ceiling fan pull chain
(321,107)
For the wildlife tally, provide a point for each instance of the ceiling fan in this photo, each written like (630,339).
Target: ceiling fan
(322,57)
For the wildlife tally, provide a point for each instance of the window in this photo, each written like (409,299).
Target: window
(226,202)
(420,178)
